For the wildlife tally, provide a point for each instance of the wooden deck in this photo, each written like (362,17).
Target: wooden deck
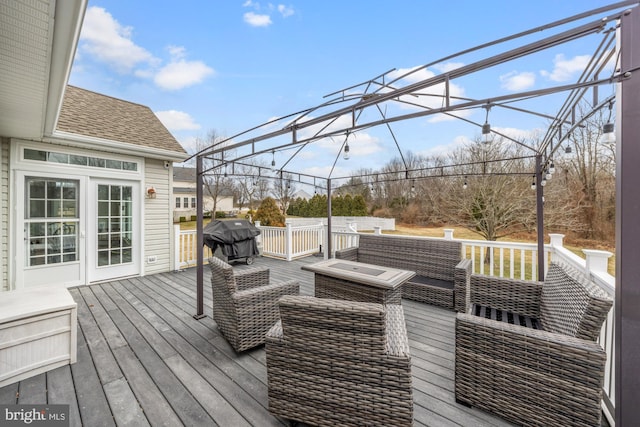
(144,360)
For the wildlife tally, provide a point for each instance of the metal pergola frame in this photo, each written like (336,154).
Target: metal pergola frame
(619,25)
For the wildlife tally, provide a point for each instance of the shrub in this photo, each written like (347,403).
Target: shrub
(220,214)
(183,219)
(194,217)
(269,214)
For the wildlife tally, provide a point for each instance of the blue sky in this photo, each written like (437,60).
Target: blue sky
(226,66)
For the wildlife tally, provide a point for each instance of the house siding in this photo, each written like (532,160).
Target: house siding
(158,224)
(4,212)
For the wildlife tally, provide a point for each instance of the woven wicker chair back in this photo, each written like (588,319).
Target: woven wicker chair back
(571,304)
(222,275)
(435,258)
(333,327)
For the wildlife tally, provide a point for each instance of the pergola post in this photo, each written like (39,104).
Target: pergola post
(540,217)
(329,242)
(627,301)
(199,241)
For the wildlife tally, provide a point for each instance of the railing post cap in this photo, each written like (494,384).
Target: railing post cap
(597,253)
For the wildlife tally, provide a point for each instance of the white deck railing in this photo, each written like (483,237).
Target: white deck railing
(505,259)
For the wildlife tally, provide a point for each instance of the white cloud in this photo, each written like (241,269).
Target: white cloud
(177,120)
(518,134)
(285,11)
(324,171)
(180,73)
(257,20)
(564,69)
(448,66)
(108,41)
(445,149)
(432,96)
(451,116)
(515,81)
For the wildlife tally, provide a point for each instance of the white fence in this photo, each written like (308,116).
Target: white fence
(365,223)
(502,259)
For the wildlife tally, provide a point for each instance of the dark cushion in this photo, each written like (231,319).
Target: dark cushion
(421,280)
(505,316)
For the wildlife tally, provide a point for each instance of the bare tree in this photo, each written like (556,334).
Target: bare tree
(489,197)
(283,190)
(590,177)
(216,180)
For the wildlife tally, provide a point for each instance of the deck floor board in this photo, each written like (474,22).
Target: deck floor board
(144,359)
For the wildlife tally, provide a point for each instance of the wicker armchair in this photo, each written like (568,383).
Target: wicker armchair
(442,275)
(336,362)
(245,305)
(527,350)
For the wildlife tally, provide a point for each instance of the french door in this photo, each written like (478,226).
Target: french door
(113,232)
(52,243)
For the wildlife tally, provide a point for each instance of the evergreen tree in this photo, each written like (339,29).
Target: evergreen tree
(269,214)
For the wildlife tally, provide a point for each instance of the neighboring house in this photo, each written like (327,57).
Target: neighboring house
(85,179)
(184,194)
(301,194)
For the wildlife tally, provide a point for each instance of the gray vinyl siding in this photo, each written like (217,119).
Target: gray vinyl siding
(158,221)
(4,212)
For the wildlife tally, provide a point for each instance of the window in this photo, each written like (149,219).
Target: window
(72,159)
(51,221)
(177,202)
(193,202)
(185,203)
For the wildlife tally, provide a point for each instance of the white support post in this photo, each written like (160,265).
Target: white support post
(377,230)
(258,237)
(325,242)
(597,261)
(177,244)
(288,241)
(556,240)
(448,233)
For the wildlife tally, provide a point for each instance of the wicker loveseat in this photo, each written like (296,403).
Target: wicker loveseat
(245,305)
(337,362)
(441,273)
(544,369)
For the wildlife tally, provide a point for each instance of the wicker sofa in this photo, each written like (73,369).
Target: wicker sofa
(337,362)
(442,274)
(245,305)
(526,350)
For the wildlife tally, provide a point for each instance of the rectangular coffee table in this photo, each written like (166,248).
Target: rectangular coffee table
(357,281)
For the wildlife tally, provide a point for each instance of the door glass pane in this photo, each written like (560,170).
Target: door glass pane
(103,192)
(36,189)
(115,217)
(47,201)
(36,209)
(103,208)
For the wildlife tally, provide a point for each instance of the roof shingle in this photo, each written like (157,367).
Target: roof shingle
(92,114)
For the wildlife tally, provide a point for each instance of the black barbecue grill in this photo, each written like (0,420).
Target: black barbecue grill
(232,240)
